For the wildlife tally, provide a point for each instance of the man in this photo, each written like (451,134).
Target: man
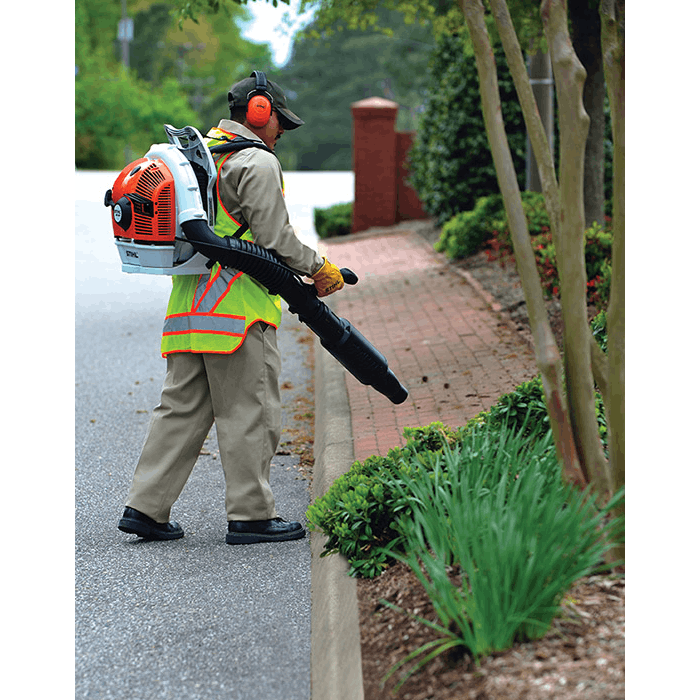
(219,339)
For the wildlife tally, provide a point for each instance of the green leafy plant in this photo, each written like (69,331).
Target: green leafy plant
(500,246)
(598,258)
(467,232)
(599,328)
(522,409)
(358,515)
(335,220)
(497,539)
(115,108)
(450,162)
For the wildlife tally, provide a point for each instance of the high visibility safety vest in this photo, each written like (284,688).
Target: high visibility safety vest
(212,313)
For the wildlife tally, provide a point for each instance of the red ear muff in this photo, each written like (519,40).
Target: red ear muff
(259,110)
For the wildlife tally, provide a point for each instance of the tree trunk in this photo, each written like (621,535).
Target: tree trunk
(569,77)
(585,35)
(546,351)
(613,33)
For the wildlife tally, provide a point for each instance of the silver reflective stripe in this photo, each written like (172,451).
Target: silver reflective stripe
(204,324)
(218,288)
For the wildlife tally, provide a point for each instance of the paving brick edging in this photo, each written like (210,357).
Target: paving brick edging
(336,660)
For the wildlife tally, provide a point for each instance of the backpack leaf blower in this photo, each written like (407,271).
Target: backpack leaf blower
(163,216)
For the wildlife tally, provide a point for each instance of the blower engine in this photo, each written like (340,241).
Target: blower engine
(163,216)
(147,215)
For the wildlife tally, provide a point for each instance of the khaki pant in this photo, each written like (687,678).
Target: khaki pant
(240,392)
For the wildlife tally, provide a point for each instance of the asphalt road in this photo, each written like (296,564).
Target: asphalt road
(191,618)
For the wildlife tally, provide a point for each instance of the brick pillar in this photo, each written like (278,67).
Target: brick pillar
(374,163)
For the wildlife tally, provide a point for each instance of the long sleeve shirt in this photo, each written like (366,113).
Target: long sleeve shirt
(251,189)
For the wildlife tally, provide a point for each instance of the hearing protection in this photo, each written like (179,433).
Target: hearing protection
(259,101)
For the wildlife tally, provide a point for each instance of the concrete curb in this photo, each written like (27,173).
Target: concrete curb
(336,660)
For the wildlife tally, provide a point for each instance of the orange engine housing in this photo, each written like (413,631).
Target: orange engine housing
(145,192)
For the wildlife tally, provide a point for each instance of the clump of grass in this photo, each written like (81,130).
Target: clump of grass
(496,510)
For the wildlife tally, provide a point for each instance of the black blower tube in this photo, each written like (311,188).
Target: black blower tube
(338,336)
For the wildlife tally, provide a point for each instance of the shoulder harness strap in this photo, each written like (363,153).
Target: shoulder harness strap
(237,144)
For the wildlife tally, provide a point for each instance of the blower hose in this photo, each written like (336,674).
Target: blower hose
(338,336)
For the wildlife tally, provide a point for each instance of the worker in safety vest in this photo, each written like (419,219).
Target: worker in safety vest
(219,340)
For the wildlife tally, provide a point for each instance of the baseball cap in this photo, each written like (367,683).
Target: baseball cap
(239,93)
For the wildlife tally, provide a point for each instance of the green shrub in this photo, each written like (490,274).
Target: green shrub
(113,108)
(357,514)
(468,232)
(496,539)
(501,244)
(523,409)
(333,221)
(431,438)
(598,260)
(450,162)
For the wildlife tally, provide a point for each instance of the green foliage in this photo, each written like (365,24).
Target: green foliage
(467,232)
(178,76)
(501,245)
(497,539)
(364,64)
(359,512)
(335,220)
(599,328)
(522,410)
(486,225)
(194,9)
(367,15)
(117,109)
(598,259)
(432,437)
(450,160)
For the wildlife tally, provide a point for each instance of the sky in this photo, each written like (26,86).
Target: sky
(275,26)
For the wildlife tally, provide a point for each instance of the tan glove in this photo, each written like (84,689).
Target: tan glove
(328,279)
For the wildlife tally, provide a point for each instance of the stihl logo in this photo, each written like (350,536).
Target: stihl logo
(131,254)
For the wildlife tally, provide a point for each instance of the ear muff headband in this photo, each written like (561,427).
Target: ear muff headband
(259,101)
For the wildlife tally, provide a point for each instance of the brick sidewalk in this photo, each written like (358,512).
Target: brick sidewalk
(443,341)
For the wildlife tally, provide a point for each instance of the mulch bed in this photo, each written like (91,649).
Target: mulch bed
(582,655)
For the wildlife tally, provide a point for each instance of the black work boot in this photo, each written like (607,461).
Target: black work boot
(136,523)
(275,530)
